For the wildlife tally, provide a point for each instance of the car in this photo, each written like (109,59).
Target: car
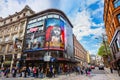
(101,67)
(92,67)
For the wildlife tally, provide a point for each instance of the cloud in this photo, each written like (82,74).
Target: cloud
(11,6)
(82,25)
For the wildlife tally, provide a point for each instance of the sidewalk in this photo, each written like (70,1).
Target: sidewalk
(114,75)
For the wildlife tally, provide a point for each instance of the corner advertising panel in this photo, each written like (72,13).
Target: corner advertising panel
(34,37)
(54,38)
(69,40)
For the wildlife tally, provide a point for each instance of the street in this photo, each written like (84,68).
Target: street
(95,74)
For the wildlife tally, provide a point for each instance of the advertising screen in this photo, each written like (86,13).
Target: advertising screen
(54,38)
(34,37)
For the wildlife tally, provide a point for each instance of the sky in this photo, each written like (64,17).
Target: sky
(86,17)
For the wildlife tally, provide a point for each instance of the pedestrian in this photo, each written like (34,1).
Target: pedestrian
(14,71)
(111,70)
(86,71)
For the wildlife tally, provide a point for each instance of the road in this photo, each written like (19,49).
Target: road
(95,75)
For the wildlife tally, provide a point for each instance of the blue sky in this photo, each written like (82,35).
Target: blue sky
(85,15)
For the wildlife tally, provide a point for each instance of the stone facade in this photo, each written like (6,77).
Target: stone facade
(12,27)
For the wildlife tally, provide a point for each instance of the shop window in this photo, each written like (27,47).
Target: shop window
(116,3)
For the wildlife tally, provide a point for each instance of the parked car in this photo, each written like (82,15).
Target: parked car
(101,67)
(92,67)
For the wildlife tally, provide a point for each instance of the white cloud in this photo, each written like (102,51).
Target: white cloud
(9,7)
(82,25)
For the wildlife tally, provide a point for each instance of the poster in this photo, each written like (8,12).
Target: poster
(54,33)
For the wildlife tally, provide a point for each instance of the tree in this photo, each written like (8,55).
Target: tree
(102,52)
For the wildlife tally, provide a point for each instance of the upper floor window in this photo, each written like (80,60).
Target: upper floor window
(18,17)
(116,3)
(0,39)
(10,47)
(7,38)
(3,48)
(11,20)
(15,36)
(118,16)
(117,42)
(16,28)
(24,14)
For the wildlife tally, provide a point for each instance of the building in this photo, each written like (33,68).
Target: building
(80,54)
(112,26)
(12,28)
(99,60)
(93,59)
(88,58)
(48,40)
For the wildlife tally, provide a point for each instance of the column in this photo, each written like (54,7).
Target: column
(11,66)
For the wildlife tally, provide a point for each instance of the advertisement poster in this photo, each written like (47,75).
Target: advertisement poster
(54,34)
(34,39)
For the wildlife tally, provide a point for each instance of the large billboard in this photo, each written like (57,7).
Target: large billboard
(54,38)
(34,37)
(46,34)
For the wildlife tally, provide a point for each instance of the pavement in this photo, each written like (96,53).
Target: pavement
(96,74)
(114,75)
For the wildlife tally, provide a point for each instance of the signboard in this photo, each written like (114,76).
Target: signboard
(54,33)
(47,58)
(34,37)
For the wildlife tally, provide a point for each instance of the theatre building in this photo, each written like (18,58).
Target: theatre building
(48,40)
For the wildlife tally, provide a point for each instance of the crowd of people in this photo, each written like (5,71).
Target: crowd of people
(41,72)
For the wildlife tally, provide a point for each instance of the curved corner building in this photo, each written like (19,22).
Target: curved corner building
(48,39)
(112,26)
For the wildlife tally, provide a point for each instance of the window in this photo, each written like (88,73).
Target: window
(3,49)
(116,3)
(7,38)
(118,16)
(24,14)
(10,48)
(0,39)
(4,22)
(50,16)
(16,28)
(117,45)
(15,36)
(18,17)
(11,20)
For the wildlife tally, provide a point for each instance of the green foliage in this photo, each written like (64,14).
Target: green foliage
(102,51)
